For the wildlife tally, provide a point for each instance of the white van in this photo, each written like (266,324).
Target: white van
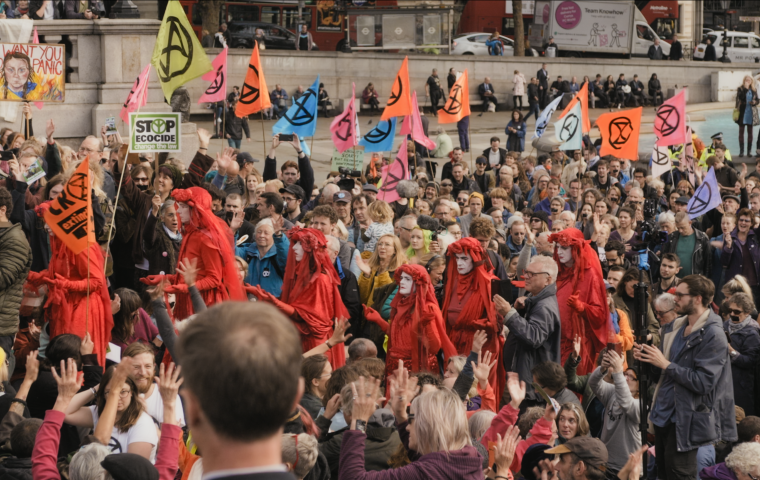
(742,47)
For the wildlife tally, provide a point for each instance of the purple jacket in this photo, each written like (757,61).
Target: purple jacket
(717,472)
(464,464)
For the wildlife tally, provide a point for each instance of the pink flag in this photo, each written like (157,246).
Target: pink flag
(138,96)
(413,126)
(394,173)
(670,121)
(218,78)
(36,39)
(343,127)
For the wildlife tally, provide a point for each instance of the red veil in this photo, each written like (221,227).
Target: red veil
(67,305)
(311,287)
(586,281)
(425,309)
(471,318)
(213,232)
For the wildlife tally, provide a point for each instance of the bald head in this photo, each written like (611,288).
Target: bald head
(361,348)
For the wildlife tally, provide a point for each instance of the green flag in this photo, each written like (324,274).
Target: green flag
(178,55)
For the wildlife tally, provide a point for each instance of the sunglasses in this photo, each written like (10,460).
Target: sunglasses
(735,311)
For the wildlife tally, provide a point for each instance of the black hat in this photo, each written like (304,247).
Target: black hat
(368,187)
(245,157)
(532,456)
(541,215)
(718,136)
(129,466)
(294,190)
(683,200)
(482,160)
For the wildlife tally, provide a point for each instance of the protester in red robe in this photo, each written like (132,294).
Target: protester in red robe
(468,306)
(208,240)
(581,296)
(67,305)
(310,292)
(417,331)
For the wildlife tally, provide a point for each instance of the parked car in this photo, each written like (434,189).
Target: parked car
(275,37)
(475,44)
(741,46)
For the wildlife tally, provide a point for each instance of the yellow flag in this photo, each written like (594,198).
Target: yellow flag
(178,55)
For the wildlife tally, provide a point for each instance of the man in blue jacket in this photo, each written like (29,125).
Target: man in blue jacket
(695,375)
(267,256)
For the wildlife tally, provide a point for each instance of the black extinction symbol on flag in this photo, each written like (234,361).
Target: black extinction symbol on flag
(396,96)
(132,92)
(569,127)
(378,136)
(249,94)
(660,158)
(391,180)
(302,114)
(184,49)
(345,120)
(620,131)
(700,202)
(218,81)
(454,105)
(670,118)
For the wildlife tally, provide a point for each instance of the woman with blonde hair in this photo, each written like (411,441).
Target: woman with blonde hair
(518,90)
(738,284)
(379,269)
(571,422)
(252,181)
(435,428)
(746,101)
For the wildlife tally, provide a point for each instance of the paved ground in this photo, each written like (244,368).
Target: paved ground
(482,129)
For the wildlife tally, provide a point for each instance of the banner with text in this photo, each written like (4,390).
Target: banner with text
(155,132)
(353,158)
(32,72)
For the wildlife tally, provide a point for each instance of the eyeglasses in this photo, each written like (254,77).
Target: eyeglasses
(122,394)
(679,296)
(532,220)
(528,275)
(447,185)
(410,418)
(735,311)
(660,313)
(745,220)
(404,228)
(141,180)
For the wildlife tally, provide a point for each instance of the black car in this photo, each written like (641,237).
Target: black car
(276,37)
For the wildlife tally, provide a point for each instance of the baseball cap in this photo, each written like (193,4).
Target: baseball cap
(368,187)
(342,196)
(245,157)
(294,190)
(683,200)
(481,160)
(129,466)
(608,286)
(590,450)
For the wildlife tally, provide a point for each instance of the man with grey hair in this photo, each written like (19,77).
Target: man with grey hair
(533,323)
(665,308)
(404,227)
(361,348)
(543,245)
(568,217)
(349,290)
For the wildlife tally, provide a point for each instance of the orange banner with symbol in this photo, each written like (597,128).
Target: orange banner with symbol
(457,106)
(400,101)
(70,215)
(254,95)
(620,133)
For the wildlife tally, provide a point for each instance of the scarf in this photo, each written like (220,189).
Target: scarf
(735,327)
(615,320)
(177,237)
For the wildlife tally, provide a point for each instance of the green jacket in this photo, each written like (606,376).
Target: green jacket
(15,262)
(578,384)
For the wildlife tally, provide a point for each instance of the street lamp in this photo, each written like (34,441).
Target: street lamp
(725,4)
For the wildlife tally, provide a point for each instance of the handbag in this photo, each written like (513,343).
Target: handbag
(736,115)
(755,116)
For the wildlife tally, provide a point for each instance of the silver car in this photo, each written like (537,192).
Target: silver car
(475,44)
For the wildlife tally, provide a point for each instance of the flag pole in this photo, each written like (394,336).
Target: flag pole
(263,133)
(469,141)
(87,316)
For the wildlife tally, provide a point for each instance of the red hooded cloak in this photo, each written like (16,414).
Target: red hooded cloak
(67,304)
(208,239)
(478,311)
(582,299)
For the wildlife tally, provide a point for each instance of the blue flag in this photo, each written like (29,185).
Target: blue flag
(706,198)
(380,138)
(543,120)
(301,117)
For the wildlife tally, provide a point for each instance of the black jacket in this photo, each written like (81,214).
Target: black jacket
(305,180)
(701,259)
(13,468)
(655,52)
(537,335)
(543,79)
(235,126)
(676,50)
(532,94)
(451,80)
(747,342)
(349,293)
(161,260)
(465,184)
(710,55)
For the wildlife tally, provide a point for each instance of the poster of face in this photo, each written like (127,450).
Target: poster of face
(33,72)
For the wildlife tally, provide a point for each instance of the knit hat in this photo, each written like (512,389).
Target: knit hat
(478,195)
(172,172)
(129,466)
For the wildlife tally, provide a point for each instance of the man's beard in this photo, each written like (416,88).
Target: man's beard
(687,310)
(143,387)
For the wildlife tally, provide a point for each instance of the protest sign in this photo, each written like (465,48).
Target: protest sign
(111,126)
(155,132)
(351,159)
(34,172)
(32,72)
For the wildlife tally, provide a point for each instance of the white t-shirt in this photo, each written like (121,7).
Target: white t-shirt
(494,157)
(154,406)
(142,431)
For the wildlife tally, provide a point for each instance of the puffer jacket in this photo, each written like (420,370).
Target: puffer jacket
(704,389)
(15,262)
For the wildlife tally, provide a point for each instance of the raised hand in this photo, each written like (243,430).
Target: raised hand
(478,340)
(296,142)
(188,268)
(224,159)
(68,383)
(502,306)
(169,381)
(577,341)
(204,137)
(504,450)
(50,130)
(339,333)
(516,389)
(155,205)
(333,405)
(404,390)
(363,266)
(87,345)
(365,392)
(483,368)
(237,221)
(32,367)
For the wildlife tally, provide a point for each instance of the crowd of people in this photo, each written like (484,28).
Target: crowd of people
(236,320)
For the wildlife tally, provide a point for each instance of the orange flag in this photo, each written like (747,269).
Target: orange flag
(457,106)
(400,102)
(70,215)
(620,133)
(254,96)
(582,97)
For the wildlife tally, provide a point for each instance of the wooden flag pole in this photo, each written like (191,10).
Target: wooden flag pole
(87,302)
(263,133)
(469,142)
(224,127)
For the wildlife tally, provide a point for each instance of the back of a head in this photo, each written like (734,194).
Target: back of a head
(440,422)
(361,348)
(301,452)
(63,347)
(239,351)
(479,423)
(85,465)
(748,429)
(23,436)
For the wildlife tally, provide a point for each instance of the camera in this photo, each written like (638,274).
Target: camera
(346,179)
(349,173)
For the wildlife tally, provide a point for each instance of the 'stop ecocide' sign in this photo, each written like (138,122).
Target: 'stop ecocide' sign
(155,132)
